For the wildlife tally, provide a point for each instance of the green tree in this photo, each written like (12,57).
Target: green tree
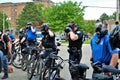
(113,16)
(3,21)
(31,13)
(60,14)
(104,16)
(89,26)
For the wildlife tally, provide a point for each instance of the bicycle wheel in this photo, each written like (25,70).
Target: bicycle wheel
(37,70)
(41,66)
(16,60)
(45,74)
(48,74)
(24,62)
(31,68)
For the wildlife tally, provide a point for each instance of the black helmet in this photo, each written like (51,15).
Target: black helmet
(45,27)
(114,37)
(71,25)
(21,30)
(29,23)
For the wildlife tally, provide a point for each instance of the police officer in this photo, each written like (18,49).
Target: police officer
(31,34)
(100,44)
(48,41)
(74,35)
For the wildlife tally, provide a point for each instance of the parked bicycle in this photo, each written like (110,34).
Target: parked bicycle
(49,66)
(34,64)
(52,72)
(16,57)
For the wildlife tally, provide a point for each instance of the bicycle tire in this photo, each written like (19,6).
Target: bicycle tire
(31,69)
(44,73)
(40,68)
(37,70)
(16,60)
(47,74)
(24,62)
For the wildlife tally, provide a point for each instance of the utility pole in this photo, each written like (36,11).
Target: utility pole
(3,24)
(117,10)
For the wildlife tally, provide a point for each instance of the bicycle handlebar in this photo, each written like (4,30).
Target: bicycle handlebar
(81,65)
(100,69)
(108,68)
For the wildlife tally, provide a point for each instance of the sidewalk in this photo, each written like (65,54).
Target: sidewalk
(17,74)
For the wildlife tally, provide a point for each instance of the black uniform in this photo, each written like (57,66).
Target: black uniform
(48,43)
(75,51)
(75,46)
(3,44)
(23,44)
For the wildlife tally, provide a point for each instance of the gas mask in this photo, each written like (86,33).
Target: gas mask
(101,32)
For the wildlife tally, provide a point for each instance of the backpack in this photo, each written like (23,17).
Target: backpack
(114,37)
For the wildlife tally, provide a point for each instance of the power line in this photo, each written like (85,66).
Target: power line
(99,7)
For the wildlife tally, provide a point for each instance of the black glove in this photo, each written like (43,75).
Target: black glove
(68,29)
(44,33)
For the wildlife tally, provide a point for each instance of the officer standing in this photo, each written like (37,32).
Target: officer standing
(75,37)
(31,34)
(48,40)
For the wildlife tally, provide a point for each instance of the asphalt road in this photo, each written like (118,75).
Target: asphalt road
(18,74)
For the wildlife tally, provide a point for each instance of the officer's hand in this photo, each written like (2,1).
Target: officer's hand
(44,33)
(68,29)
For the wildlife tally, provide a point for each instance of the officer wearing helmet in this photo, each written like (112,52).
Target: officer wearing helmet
(75,36)
(101,49)
(31,34)
(48,40)
(115,37)
(21,39)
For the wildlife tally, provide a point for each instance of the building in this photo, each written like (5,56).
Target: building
(14,9)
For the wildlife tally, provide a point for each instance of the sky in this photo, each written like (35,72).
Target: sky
(91,13)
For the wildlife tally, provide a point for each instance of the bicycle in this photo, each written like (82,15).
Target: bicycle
(25,58)
(16,57)
(49,66)
(34,64)
(52,72)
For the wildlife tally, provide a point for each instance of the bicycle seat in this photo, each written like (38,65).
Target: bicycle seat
(53,55)
(83,66)
(36,49)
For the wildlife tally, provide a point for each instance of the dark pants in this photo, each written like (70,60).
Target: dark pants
(75,57)
(30,43)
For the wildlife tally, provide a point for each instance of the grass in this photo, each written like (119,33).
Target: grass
(87,41)
(64,42)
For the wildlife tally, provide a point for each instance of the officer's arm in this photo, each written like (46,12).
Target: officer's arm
(23,39)
(67,36)
(73,36)
(114,60)
(50,33)
(32,29)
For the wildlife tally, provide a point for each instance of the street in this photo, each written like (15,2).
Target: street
(18,74)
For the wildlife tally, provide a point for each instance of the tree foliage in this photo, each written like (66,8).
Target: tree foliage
(31,13)
(89,26)
(60,14)
(104,16)
(4,21)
